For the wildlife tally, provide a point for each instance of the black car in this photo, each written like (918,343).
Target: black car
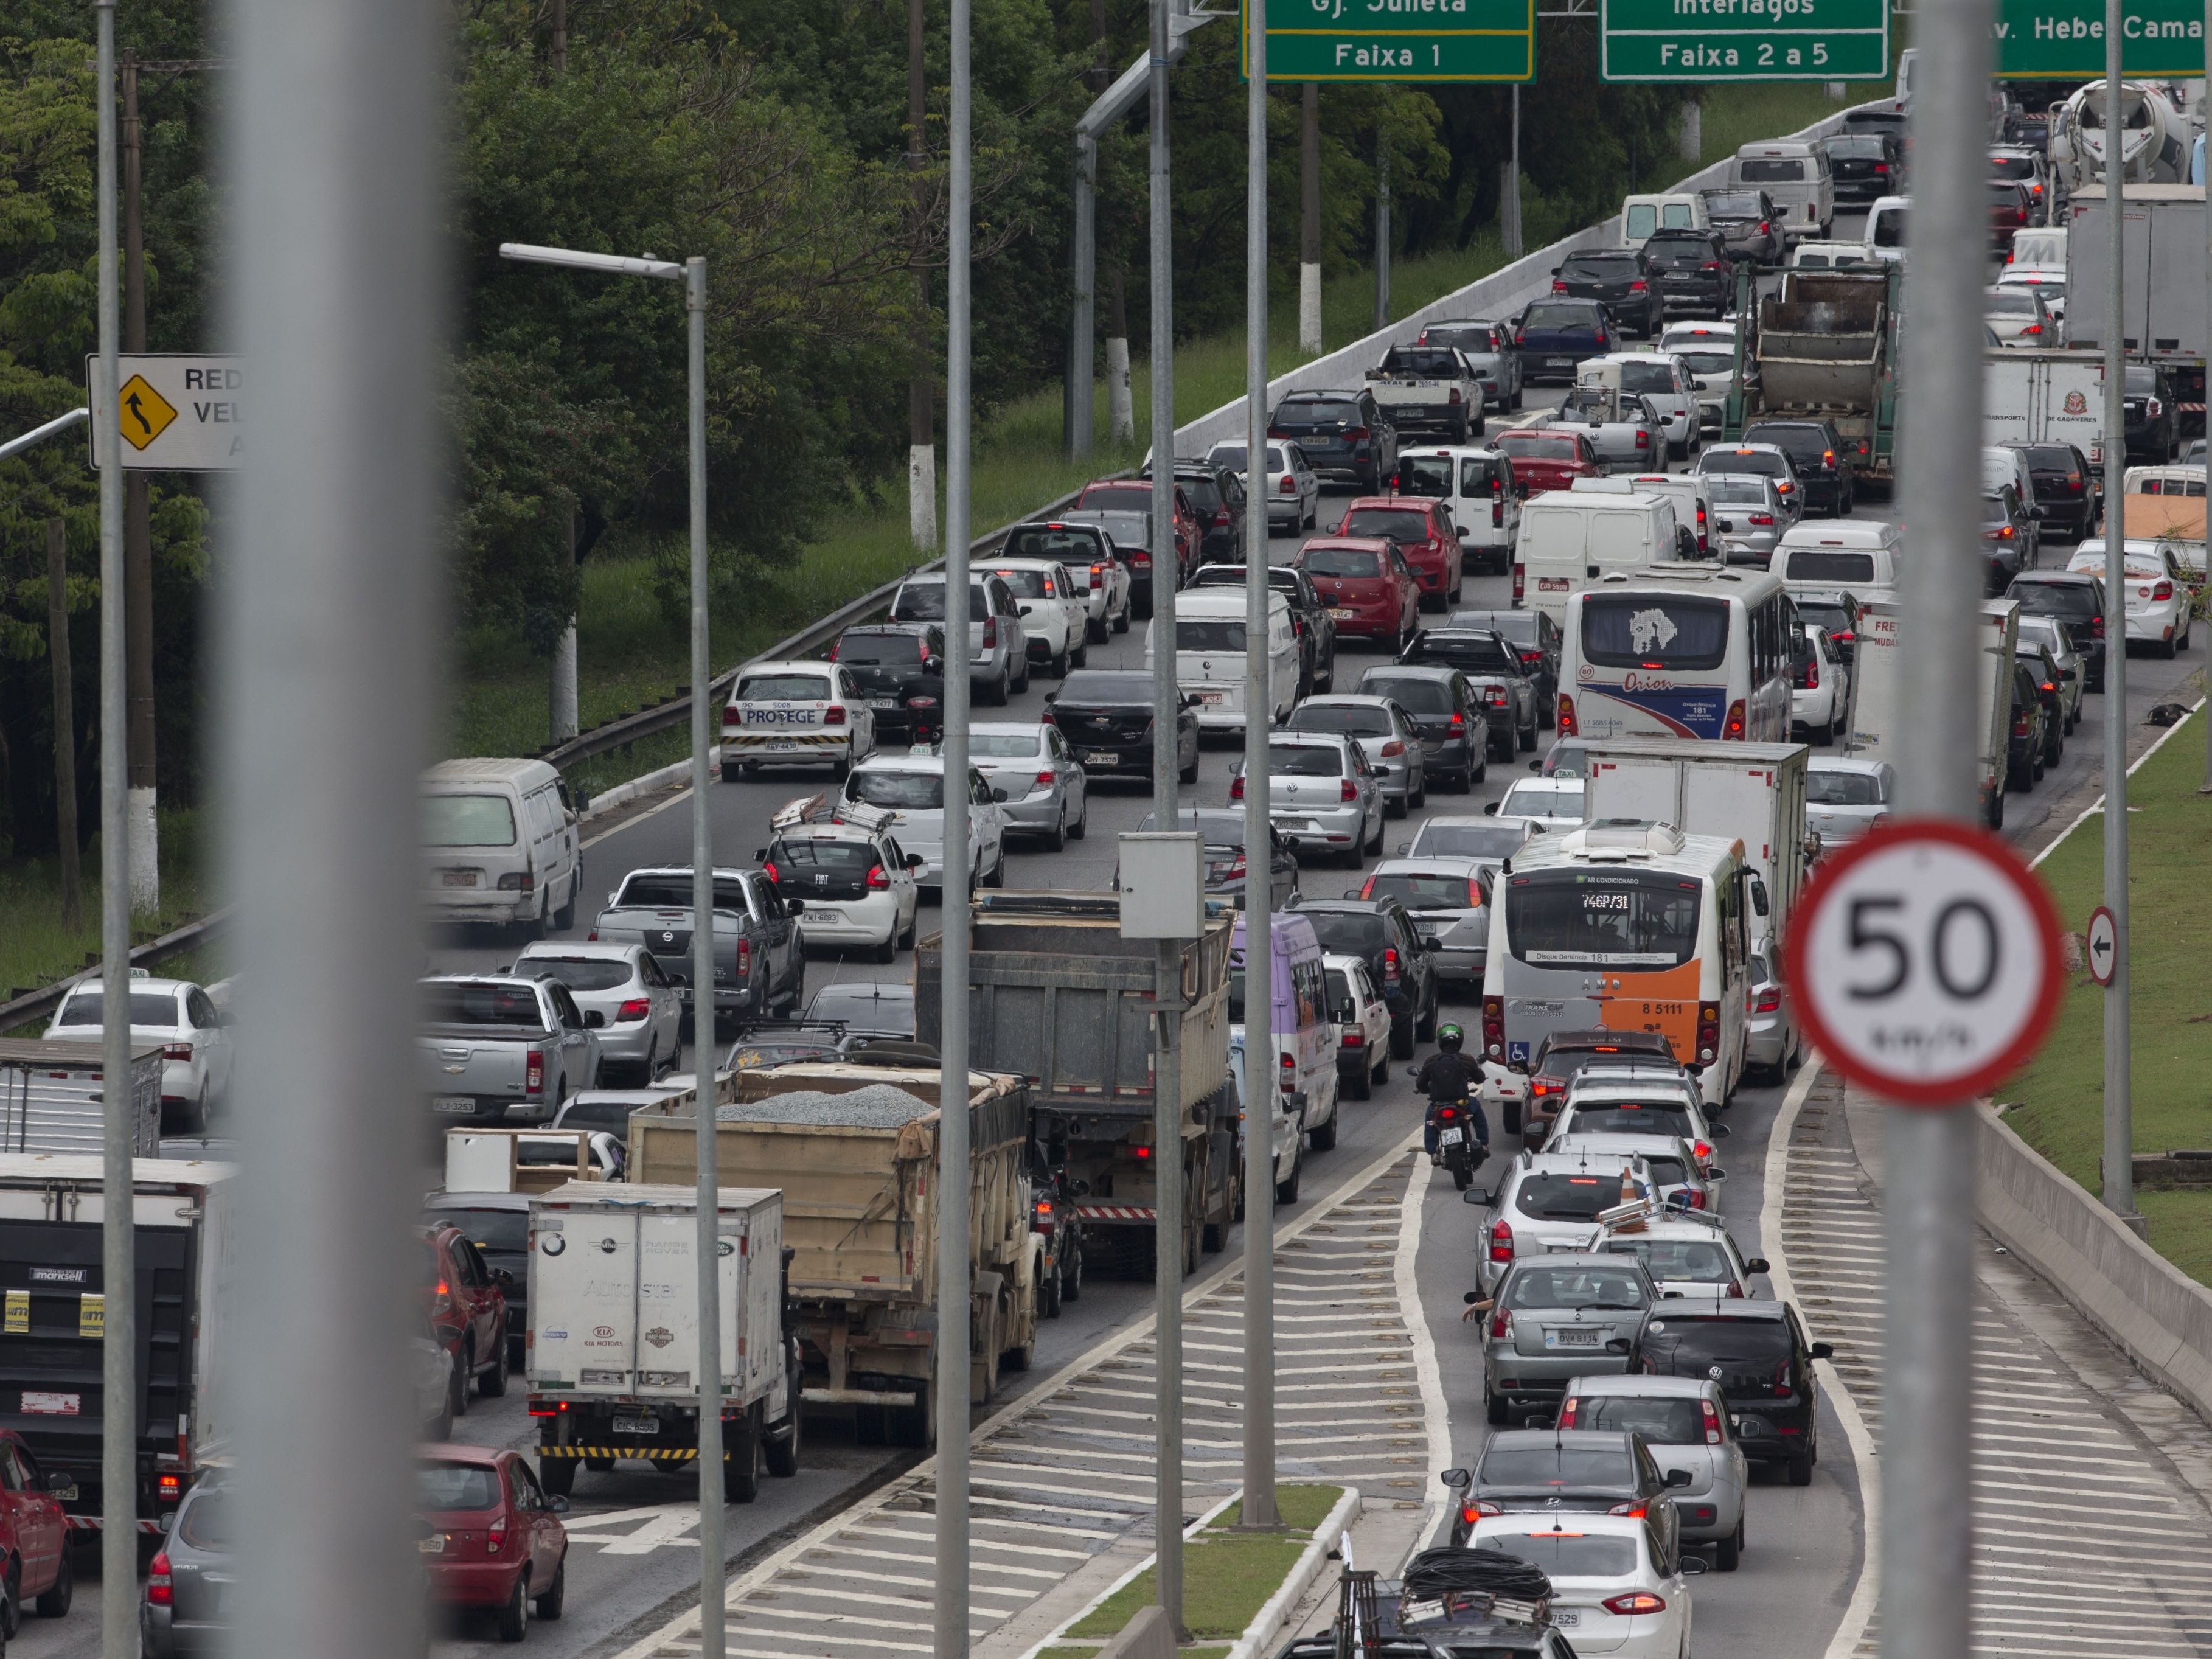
(2077,599)
(1748,225)
(2005,539)
(1537,640)
(900,668)
(1381,932)
(1106,716)
(1622,280)
(2050,692)
(1552,1469)
(1316,629)
(1758,1352)
(498,1224)
(1555,334)
(1818,456)
(1217,496)
(1483,655)
(1891,122)
(1344,434)
(1837,612)
(1696,275)
(1223,830)
(2067,488)
(2026,751)
(2152,420)
(1459,732)
(1865,165)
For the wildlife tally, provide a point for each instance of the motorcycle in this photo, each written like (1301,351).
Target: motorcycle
(1456,1144)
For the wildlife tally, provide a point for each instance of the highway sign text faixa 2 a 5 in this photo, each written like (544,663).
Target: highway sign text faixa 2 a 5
(1744,39)
(174,412)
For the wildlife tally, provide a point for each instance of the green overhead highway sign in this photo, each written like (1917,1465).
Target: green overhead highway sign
(2050,40)
(1395,40)
(1745,40)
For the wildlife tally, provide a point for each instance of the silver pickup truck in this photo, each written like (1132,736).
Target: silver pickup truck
(1428,388)
(1625,427)
(500,1049)
(760,957)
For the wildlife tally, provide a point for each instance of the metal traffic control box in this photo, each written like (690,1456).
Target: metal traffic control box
(1162,883)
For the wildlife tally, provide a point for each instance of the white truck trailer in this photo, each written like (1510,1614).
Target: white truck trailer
(1880,713)
(2046,397)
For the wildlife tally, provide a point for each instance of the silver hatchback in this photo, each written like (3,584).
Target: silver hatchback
(1449,899)
(639,1010)
(1321,794)
(1748,517)
(1845,797)
(1385,731)
(1547,1203)
(1556,1318)
(1684,1421)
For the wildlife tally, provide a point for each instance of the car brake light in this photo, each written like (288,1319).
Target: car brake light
(1390,965)
(2096,628)
(1881,167)
(2164,591)
(1637,1512)
(1495,696)
(177,1051)
(635,1008)
(2020,724)
(1734,727)
(1392,750)
(732,717)
(1519,576)
(1290,485)
(159,1594)
(878,878)
(1140,562)
(1459,722)
(441,1298)
(1045,1219)
(1769,1000)
(1237,787)
(1473,1512)
(769,869)
(1289,1073)
(1567,1411)
(1712,1423)
(1762,518)
(1764,229)
(990,633)
(496,1535)
(1565,716)
(2049,685)
(2153,409)
(1558,287)
(833,715)
(1348,790)
(1709,1032)
(1635,1600)
(1704,1150)
(1781,1378)
(1501,1322)
(533,1076)
(1813,674)
(1493,1015)
(1637,287)
(1473,894)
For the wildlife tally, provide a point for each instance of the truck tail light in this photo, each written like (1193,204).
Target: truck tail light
(1501,1249)
(1709,1032)
(158,1591)
(1045,1219)
(745,967)
(635,1008)
(1493,1021)
(533,1075)
(1348,790)
(1565,716)
(1455,397)
(1642,436)
(2096,628)
(1520,577)
(1735,725)
(1290,1073)
(877,879)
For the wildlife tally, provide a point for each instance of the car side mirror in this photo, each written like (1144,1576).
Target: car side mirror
(503,1278)
(1619,1346)
(1490,809)
(1694,1566)
(796,906)
(1822,1350)
(1755,1264)
(998,794)
(1718,1131)
(1404,847)
(1678,1478)
(1456,1479)
(593,1019)
(1717,1175)
(915,860)
(1556,270)
(558,1503)
(1476,1196)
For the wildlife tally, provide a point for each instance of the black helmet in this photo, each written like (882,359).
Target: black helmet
(1450,1037)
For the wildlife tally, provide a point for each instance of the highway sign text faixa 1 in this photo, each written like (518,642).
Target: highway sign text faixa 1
(1413,40)
(2043,40)
(175,413)
(1744,39)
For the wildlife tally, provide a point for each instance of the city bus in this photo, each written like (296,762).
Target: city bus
(1686,652)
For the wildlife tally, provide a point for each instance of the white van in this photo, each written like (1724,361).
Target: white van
(500,844)
(1304,1032)
(1691,492)
(1887,223)
(1210,655)
(1476,485)
(1569,540)
(1828,256)
(1858,556)
(1795,177)
(1641,215)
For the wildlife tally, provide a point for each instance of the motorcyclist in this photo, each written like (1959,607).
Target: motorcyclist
(1448,1078)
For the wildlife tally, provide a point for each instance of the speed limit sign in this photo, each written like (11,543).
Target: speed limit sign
(1926,961)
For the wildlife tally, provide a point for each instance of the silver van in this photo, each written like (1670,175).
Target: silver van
(1796,179)
(500,844)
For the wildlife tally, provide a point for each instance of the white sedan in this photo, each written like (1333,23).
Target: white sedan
(1611,1593)
(1542,803)
(912,788)
(2158,597)
(175,1013)
(795,713)
(1056,612)
(2018,316)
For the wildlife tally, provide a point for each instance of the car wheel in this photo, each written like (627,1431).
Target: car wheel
(1800,1470)
(1383,1065)
(514,1617)
(1081,827)
(557,1474)
(1056,839)
(732,772)
(1049,1297)
(1071,1277)
(1426,1030)
(491,1383)
(1352,854)
(1188,774)
(1394,809)
(1374,848)
(1121,622)
(996,696)
(1286,1189)
(1728,1551)
(841,767)
(1022,682)
(55,1603)
(1361,1082)
(1057,666)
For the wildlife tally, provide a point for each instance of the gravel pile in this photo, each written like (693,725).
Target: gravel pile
(875,1106)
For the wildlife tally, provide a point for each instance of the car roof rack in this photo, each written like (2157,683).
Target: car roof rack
(831,808)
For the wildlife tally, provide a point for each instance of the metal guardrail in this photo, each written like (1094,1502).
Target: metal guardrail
(41,1003)
(814,637)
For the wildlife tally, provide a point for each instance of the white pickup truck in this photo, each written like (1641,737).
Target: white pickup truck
(1429,387)
(1625,427)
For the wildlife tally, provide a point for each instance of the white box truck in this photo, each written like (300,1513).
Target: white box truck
(613,1340)
(1880,713)
(2046,397)
(1754,793)
(2162,292)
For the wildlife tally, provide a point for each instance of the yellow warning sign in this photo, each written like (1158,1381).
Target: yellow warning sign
(143,412)
(18,1320)
(92,1314)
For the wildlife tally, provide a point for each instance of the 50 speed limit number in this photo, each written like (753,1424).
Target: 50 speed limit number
(1926,962)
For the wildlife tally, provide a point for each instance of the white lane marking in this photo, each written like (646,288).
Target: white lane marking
(2097,805)
(1435,1417)
(663,1526)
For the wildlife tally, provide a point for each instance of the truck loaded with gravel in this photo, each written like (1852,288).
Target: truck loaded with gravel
(854,1150)
(1058,996)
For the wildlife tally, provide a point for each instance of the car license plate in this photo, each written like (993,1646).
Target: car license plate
(883,702)
(637,1425)
(1213,696)
(1565,1617)
(781,743)
(1552,584)
(452,1103)
(1100,757)
(434,1545)
(1339,612)
(459,878)
(1558,362)
(1574,1337)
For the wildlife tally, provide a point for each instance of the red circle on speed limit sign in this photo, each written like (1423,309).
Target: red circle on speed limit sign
(1925,959)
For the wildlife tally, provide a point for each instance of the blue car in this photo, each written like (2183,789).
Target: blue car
(1555,335)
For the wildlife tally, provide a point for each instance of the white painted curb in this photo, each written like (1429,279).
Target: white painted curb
(1262,1631)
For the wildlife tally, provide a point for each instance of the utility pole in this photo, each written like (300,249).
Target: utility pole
(1928,1209)
(1508,191)
(1308,207)
(1262,1091)
(1381,229)
(58,652)
(2119,1106)
(138,537)
(559,56)
(1693,130)
(920,390)
(563,717)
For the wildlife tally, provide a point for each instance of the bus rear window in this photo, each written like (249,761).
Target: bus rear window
(1626,919)
(1654,630)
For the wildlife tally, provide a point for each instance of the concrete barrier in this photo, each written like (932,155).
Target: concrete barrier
(2160,1316)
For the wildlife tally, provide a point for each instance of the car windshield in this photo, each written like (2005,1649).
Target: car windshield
(1610,918)
(157,1008)
(872,1007)
(1560,1465)
(1204,635)
(467,821)
(1582,317)
(1316,411)
(1667,631)
(903,650)
(1562,1197)
(440,1486)
(1003,745)
(1421,891)
(578,972)
(497,1230)
(1543,798)
(1305,760)
(1822,564)
(1394,522)
(1342,561)
(1661,1422)
(782,688)
(1474,841)
(1675,1260)
(1631,1117)
(1541,446)
(1573,1287)
(1842,788)
(915,791)
(1097,688)
(1421,696)
(207,1522)
(2055,598)
(1356,722)
(1565,1555)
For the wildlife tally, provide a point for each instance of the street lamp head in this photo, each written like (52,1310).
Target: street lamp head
(614,264)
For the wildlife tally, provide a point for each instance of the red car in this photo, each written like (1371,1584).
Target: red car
(1548,459)
(1425,535)
(494,1539)
(467,1304)
(2010,212)
(34,1536)
(1367,585)
(1135,495)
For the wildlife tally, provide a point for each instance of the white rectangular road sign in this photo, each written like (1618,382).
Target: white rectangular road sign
(178,412)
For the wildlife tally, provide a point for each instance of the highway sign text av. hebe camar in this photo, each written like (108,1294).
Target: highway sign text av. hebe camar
(1926,962)
(1413,40)
(1744,39)
(2051,40)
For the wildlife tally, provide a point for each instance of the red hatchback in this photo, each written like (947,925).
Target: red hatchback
(467,1303)
(34,1536)
(1367,585)
(1135,495)
(1545,460)
(1425,535)
(493,1538)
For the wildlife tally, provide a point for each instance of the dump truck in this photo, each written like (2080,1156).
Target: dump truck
(614,1332)
(1826,349)
(854,1150)
(1058,995)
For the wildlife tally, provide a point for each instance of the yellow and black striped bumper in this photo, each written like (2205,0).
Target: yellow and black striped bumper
(774,742)
(653,1453)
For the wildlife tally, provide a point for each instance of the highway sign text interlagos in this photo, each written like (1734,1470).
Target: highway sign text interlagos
(175,413)
(2043,40)
(1927,962)
(1744,39)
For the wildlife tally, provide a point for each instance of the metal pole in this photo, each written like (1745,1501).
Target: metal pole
(2119,1111)
(1509,218)
(58,654)
(1168,1250)
(711,1475)
(138,539)
(2205,182)
(1260,1088)
(1382,230)
(1082,335)
(119,1461)
(1929,1211)
(1310,335)
(334,267)
(954,1293)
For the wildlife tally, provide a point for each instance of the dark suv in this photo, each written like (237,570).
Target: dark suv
(1217,496)
(1756,1351)
(1696,275)
(901,671)
(1381,933)
(1553,1470)
(2067,489)
(1622,280)
(2077,599)
(2152,420)
(1537,639)
(1344,434)
(1485,655)
(1563,1054)
(1817,455)
(2025,756)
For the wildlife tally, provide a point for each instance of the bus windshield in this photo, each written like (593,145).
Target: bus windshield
(1613,918)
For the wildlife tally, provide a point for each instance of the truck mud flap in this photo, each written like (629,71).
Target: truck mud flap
(649,1454)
